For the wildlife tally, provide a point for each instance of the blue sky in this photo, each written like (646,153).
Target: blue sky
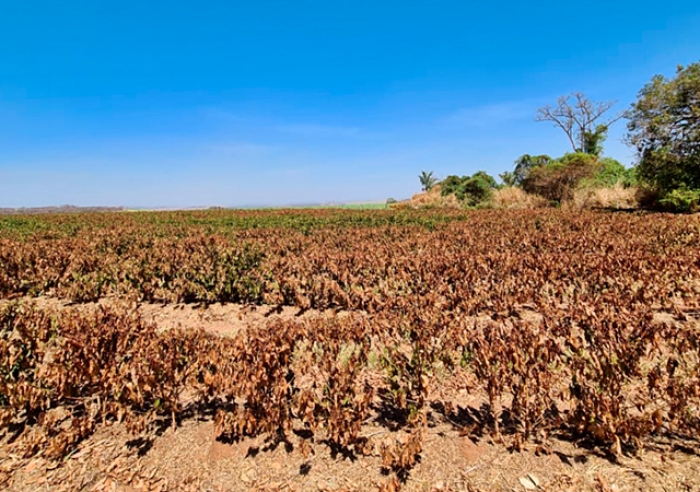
(179,104)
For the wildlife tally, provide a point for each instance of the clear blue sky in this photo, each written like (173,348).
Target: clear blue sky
(177,104)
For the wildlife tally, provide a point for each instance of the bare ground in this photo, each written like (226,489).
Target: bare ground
(190,459)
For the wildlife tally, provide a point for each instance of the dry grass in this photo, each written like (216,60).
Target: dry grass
(430,199)
(617,197)
(512,198)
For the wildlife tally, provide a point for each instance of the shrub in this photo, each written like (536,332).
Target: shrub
(475,190)
(450,184)
(558,180)
(611,173)
(681,200)
(470,190)
(523,165)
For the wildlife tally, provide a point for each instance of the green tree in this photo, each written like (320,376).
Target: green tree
(508,178)
(593,140)
(664,127)
(427,180)
(581,120)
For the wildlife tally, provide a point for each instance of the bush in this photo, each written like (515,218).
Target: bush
(470,190)
(523,165)
(450,184)
(680,200)
(611,173)
(475,190)
(558,180)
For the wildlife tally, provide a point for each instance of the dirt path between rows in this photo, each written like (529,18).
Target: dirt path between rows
(220,319)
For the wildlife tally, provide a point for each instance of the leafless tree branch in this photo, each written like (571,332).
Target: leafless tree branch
(578,116)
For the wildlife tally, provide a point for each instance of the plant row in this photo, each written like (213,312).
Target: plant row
(486,263)
(610,376)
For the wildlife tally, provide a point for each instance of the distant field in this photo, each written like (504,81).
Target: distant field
(350,206)
(357,206)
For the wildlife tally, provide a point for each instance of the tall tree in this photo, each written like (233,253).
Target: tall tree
(664,127)
(427,180)
(581,120)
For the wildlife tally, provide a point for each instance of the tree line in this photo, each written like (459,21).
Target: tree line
(663,125)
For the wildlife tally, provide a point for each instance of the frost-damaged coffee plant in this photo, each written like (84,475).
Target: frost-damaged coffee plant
(581,325)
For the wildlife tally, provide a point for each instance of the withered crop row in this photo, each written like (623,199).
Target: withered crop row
(216,221)
(612,376)
(486,263)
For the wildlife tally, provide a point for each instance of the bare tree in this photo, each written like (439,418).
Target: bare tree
(580,119)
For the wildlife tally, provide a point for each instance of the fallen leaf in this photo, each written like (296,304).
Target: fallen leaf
(527,483)
(534,479)
(616,447)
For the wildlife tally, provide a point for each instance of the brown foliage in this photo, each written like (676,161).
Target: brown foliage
(596,364)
